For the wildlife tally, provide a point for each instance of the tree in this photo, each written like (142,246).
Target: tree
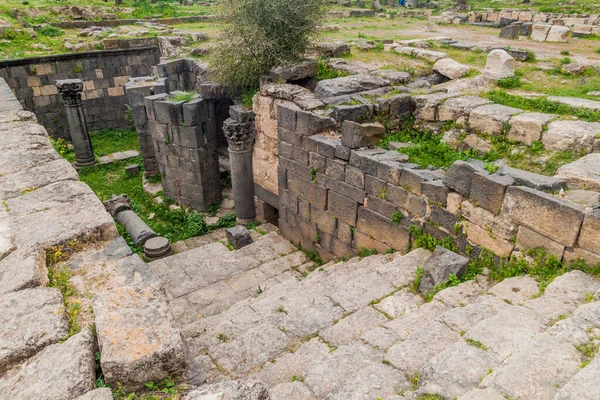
(261,34)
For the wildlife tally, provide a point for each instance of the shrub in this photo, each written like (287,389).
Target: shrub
(258,35)
(50,31)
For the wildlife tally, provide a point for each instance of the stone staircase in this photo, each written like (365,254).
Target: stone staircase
(357,330)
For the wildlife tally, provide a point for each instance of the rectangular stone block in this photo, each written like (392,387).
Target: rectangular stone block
(290,137)
(364,241)
(543,213)
(295,168)
(444,219)
(397,196)
(304,210)
(460,175)
(383,229)
(574,254)
(335,169)
(381,206)
(589,238)
(342,188)
(342,207)
(288,200)
(529,240)
(317,161)
(484,237)
(345,232)
(412,179)
(435,191)
(324,220)
(286,116)
(308,123)
(375,186)
(492,119)
(315,194)
(487,191)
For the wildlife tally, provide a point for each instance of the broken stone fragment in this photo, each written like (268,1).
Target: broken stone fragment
(440,266)
(355,136)
(239,237)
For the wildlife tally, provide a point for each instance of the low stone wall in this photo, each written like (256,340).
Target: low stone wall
(105,74)
(44,203)
(118,22)
(337,200)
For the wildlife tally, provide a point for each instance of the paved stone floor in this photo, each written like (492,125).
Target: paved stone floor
(355,330)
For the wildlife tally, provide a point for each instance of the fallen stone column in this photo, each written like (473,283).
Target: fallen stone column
(120,208)
(71,93)
(240,132)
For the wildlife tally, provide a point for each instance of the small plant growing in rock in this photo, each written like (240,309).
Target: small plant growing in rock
(397,217)
(258,35)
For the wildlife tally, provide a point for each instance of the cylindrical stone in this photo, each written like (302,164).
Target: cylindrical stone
(137,229)
(157,247)
(242,183)
(84,154)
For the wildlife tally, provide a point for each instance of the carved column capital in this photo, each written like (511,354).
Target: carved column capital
(116,204)
(71,91)
(240,135)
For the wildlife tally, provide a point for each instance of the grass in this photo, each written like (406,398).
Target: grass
(175,225)
(106,141)
(326,72)
(185,96)
(427,149)
(543,105)
(543,268)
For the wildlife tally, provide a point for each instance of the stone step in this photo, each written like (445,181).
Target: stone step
(59,372)
(30,320)
(137,337)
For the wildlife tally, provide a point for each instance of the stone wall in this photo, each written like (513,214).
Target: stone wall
(185,142)
(118,22)
(105,74)
(336,200)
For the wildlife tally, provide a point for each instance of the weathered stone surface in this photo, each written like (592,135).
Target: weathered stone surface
(576,329)
(516,290)
(460,107)
(350,329)
(371,382)
(571,135)
(59,372)
(450,68)
(355,136)
(97,394)
(440,266)
(483,394)
(455,371)
(589,237)
(537,369)
(335,49)
(475,143)
(528,127)
(540,32)
(492,119)
(499,65)
(543,213)
(462,294)
(346,361)
(587,198)
(487,191)
(291,391)
(510,32)
(558,34)
(234,390)
(30,320)
(584,385)
(137,337)
(239,237)
(583,173)
(400,304)
(534,181)
(481,236)
(507,331)
(426,105)
(380,338)
(421,345)
(460,175)
(36,177)
(348,85)
(462,319)
(573,286)
(529,240)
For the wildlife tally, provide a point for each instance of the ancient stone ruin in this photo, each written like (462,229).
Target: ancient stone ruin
(359,264)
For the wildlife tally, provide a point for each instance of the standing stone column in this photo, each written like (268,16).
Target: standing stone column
(71,93)
(240,132)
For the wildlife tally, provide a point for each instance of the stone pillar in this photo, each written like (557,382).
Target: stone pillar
(240,131)
(185,142)
(137,89)
(71,93)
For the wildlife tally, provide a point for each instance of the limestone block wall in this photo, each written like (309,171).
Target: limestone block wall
(336,200)
(105,74)
(185,141)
